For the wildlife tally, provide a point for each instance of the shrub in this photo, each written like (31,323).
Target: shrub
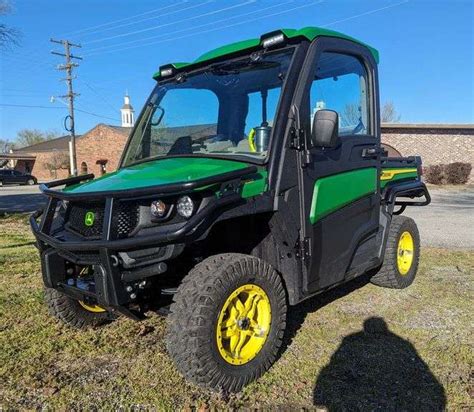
(457,173)
(434,174)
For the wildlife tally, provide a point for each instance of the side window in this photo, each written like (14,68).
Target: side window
(341,84)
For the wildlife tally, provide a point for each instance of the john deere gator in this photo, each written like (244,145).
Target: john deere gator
(253,179)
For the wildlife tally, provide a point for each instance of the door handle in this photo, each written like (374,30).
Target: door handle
(372,152)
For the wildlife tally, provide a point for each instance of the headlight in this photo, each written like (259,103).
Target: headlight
(185,207)
(158,208)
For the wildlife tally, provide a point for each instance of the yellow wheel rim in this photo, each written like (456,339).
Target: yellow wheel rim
(243,324)
(405,251)
(91,308)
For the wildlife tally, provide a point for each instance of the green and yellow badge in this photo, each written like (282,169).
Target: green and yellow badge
(89,218)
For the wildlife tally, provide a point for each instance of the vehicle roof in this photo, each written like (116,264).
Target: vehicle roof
(310,33)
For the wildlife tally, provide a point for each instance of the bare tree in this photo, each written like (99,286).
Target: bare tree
(350,116)
(6,146)
(58,161)
(27,137)
(8,35)
(390,114)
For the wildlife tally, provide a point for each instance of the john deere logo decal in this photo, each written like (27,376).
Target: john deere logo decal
(89,218)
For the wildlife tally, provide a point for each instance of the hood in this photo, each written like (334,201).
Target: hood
(159,172)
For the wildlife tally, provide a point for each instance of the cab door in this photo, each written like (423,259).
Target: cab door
(340,184)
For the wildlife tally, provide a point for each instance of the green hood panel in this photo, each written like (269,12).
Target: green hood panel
(158,172)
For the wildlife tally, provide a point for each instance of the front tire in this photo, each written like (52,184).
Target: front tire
(227,321)
(402,254)
(31,182)
(74,313)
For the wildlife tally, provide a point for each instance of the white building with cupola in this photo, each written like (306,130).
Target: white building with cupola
(128,114)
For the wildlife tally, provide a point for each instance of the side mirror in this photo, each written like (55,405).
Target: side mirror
(325,132)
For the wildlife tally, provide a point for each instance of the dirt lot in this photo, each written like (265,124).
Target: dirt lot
(370,349)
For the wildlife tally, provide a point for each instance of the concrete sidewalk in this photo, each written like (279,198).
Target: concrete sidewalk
(20,199)
(449,220)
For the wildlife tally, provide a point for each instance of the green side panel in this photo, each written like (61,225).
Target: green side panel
(408,175)
(309,33)
(158,172)
(333,192)
(257,185)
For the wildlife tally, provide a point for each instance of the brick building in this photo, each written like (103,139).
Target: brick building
(435,143)
(98,150)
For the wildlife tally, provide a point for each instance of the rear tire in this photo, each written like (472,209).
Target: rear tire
(202,324)
(402,254)
(73,313)
(30,182)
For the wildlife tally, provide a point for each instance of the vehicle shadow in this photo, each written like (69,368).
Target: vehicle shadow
(297,314)
(375,369)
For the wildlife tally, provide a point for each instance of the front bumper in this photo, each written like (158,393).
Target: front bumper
(111,275)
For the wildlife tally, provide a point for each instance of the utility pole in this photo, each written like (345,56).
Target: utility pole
(68,67)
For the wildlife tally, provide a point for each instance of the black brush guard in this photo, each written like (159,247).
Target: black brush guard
(109,285)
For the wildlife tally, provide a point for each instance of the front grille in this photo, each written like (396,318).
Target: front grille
(124,221)
(81,257)
(77,219)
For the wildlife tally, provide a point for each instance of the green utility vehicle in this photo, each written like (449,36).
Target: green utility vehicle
(253,179)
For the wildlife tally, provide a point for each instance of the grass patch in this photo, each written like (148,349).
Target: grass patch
(356,347)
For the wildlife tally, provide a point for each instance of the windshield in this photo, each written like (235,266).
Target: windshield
(227,110)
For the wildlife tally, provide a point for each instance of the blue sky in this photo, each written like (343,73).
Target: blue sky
(426,50)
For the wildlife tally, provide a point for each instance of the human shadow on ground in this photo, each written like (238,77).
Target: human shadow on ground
(374,369)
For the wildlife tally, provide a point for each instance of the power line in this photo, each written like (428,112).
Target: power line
(31,106)
(87,112)
(193,27)
(211,30)
(97,115)
(120,20)
(247,21)
(114,109)
(151,18)
(175,22)
(24,91)
(365,13)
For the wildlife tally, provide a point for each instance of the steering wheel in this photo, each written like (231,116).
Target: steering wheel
(251,138)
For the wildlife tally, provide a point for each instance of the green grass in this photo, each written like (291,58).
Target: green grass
(329,359)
